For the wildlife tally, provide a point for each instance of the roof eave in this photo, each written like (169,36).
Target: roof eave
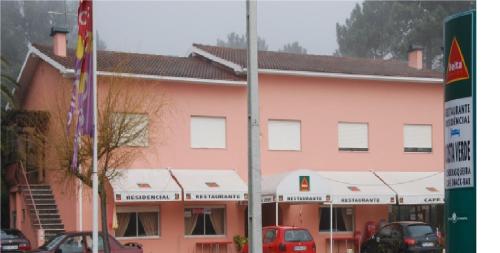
(353,76)
(69,73)
(240,70)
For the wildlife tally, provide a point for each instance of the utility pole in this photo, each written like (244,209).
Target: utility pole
(254,187)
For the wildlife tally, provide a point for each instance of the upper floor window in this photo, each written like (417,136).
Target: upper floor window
(418,138)
(353,136)
(131,129)
(208,132)
(284,135)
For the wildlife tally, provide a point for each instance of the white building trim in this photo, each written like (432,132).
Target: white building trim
(352,76)
(237,68)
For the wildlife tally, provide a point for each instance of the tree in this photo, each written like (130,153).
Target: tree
(116,133)
(386,29)
(235,40)
(8,84)
(294,48)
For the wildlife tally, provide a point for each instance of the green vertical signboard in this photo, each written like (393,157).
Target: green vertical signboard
(460,132)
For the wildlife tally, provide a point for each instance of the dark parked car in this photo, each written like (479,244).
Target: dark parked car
(81,242)
(14,241)
(405,237)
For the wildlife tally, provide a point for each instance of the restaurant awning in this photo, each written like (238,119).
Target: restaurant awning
(210,185)
(295,186)
(357,188)
(416,188)
(145,185)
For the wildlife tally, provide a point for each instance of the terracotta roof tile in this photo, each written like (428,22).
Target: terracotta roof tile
(147,64)
(320,63)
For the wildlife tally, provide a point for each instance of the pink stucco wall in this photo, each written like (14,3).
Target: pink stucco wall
(319,103)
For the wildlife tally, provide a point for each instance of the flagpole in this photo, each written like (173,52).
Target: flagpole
(95,179)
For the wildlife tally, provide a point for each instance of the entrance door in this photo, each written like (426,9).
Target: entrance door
(269,215)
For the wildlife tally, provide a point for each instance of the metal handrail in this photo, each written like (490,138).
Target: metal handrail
(23,170)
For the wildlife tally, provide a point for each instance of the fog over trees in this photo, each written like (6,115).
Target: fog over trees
(24,22)
(386,29)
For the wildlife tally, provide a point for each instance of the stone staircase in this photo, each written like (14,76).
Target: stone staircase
(45,204)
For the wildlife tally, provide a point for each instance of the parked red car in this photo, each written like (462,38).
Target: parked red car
(81,242)
(276,239)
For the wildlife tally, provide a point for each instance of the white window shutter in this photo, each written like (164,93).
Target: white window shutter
(353,136)
(208,132)
(418,138)
(284,135)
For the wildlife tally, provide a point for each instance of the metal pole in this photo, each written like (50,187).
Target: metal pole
(331,227)
(95,179)
(276,213)
(254,187)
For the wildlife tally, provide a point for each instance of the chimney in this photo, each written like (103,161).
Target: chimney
(415,57)
(58,35)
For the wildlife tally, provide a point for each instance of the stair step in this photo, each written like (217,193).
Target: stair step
(39,196)
(45,210)
(42,202)
(50,226)
(48,220)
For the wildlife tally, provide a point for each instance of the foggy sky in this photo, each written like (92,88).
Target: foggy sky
(170,27)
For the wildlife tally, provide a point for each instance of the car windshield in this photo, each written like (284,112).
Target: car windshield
(10,234)
(420,230)
(50,245)
(297,235)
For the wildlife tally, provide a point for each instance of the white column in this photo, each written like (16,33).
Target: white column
(331,227)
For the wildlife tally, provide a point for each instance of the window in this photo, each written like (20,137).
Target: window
(418,138)
(204,221)
(208,132)
(297,235)
(132,129)
(137,222)
(353,136)
(269,236)
(342,218)
(72,244)
(284,135)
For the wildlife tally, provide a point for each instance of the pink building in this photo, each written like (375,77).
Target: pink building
(361,136)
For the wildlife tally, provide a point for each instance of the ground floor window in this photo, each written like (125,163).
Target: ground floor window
(138,221)
(342,219)
(204,221)
(432,214)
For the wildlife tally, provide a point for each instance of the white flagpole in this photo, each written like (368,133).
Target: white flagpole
(95,179)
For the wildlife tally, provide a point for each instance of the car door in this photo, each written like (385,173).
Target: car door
(72,244)
(269,236)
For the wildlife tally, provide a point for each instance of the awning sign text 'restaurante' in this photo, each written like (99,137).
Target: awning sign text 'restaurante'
(214,196)
(302,198)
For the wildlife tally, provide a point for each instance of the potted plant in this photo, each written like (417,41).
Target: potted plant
(239,241)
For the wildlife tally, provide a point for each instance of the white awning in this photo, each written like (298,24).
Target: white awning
(295,186)
(211,185)
(416,188)
(145,185)
(358,188)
